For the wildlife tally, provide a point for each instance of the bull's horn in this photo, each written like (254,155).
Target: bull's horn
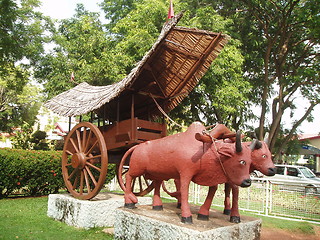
(256,144)
(238,141)
(266,138)
(203,138)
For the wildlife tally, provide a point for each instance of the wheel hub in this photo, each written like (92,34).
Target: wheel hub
(78,160)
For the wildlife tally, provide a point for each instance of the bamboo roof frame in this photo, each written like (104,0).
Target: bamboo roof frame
(168,72)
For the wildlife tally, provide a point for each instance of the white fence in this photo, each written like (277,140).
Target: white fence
(262,197)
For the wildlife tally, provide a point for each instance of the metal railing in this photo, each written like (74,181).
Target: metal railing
(263,197)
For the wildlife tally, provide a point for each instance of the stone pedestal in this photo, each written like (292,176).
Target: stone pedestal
(97,212)
(144,223)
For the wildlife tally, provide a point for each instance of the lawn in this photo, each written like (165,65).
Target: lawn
(26,218)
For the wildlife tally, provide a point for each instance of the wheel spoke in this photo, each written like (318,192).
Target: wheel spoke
(140,184)
(84,139)
(75,183)
(93,166)
(79,140)
(74,145)
(91,176)
(125,171)
(88,141)
(146,180)
(91,157)
(72,173)
(81,182)
(133,183)
(87,180)
(93,145)
(70,153)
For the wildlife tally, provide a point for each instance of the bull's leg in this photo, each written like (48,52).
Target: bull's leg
(227,205)
(235,215)
(177,194)
(203,213)
(129,198)
(186,216)
(157,202)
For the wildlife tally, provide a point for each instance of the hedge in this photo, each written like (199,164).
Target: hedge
(31,172)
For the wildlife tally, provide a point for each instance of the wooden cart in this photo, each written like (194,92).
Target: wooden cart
(129,112)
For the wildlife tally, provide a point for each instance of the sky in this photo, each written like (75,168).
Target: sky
(61,9)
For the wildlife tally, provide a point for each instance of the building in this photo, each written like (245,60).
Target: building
(310,152)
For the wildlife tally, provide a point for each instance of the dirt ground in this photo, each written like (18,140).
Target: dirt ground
(276,234)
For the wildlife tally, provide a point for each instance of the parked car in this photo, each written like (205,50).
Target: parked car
(296,178)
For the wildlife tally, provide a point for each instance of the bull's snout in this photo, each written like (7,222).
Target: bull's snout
(246,183)
(271,171)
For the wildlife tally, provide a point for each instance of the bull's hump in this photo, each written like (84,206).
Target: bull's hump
(196,127)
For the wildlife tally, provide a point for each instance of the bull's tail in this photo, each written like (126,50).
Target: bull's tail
(128,153)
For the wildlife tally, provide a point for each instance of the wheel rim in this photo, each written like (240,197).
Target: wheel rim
(84,161)
(140,185)
(170,188)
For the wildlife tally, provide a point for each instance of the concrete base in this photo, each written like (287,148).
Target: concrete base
(144,223)
(97,212)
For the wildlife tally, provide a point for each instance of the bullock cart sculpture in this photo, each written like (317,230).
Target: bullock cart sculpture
(130,111)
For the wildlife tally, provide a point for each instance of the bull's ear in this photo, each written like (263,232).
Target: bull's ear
(255,144)
(226,151)
(203,138)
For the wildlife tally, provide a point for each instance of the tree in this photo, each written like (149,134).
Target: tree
(281,48)
(82,47)
(38,138)
(21,43)
(284,58)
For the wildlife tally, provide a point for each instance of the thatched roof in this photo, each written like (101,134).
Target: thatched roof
(168,72)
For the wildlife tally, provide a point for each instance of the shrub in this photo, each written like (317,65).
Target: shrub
(30,172)
(33,172)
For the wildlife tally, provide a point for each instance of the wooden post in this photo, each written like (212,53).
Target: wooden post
(133,124)
(91,117)
(118,110)
(104,116)
(69,124)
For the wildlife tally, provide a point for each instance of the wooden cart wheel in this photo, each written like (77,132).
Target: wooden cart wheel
(140,185)
(84,161)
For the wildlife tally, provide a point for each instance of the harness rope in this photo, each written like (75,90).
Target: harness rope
(216,153)
(164,113)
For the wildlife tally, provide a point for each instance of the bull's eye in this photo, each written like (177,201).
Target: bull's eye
(264,156)
(242,162)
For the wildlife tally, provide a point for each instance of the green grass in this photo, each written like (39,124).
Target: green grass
(26,218)
(293,226)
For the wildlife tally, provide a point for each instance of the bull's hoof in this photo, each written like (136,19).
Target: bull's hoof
(157,208)
(226,211)
(235,219)
(130,205)
(187,220)
(179,205)
(203,217)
